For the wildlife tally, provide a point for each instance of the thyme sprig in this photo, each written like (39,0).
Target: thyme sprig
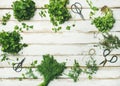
(75,71)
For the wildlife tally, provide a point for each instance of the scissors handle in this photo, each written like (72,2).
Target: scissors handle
(76,8)
(113,59)
(106,52)
(17,67)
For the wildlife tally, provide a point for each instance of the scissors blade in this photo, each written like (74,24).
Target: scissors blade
(81,15)
(103,62)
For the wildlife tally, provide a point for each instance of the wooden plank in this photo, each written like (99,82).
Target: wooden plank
(66,49)
(63,38)
(65,82)
(41,3)
(60,38)
(45,26)
(85,12)
(106,72)
(68,59)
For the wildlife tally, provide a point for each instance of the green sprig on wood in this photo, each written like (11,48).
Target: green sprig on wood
(110,42)
(6,18)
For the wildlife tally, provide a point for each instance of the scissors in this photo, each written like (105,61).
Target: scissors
(92,52)
(18,66)
(77,8)
(112,60)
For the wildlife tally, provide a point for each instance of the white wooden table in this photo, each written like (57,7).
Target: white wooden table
(64,45)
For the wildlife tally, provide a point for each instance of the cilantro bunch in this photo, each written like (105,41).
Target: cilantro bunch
(58,12)
(23,9)
(50,69)
(106,22)
(10,42)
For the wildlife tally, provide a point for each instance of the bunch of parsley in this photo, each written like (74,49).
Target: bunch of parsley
(23,9)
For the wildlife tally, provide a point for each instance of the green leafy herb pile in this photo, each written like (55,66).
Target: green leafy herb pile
(50,69)
(10,42)
(110,42)
(58,12)
(106,21)
(6,18)
(24,9)
(75,71)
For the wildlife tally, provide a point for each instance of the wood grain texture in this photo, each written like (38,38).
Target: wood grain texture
(66,46)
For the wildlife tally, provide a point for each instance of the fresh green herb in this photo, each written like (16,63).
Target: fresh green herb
(68,28)
(91,68)
(58,12)
(93,8)
(24,9)
(50,69)
(24,26)
(75,71)
(27,27)
(106,22)
(56,29)
(42,13)
(6,18)
(10,42)
(30,72)
(4,57)
(110,42)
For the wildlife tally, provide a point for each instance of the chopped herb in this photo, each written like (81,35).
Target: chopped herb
(10,42)
(110,42)
(24,26)
(56,29)
(106,22)
(50,69)
(75,71)
(24,9)
(6,18)
(68,28)
(42,13)
(4,57)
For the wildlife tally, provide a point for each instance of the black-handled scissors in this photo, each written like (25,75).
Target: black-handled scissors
(113,59)
(77,8)
(18,66)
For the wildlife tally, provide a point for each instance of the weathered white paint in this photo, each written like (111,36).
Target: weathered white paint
(41,3)
(65,45)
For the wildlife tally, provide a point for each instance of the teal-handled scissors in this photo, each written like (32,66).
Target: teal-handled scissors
(77,8)
(113,59)
(18,66)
